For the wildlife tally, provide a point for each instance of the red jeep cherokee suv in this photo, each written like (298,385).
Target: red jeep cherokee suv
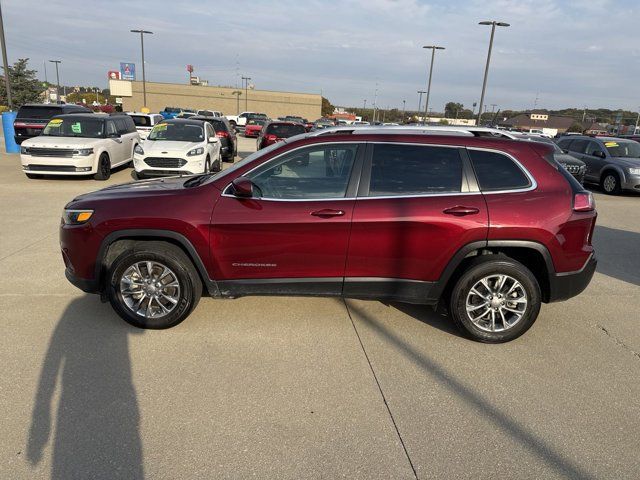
(493,226)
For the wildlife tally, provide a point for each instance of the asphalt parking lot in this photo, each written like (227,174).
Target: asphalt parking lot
(307,387)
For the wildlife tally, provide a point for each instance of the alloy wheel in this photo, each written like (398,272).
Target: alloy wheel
(609,183)
(496,303)
(150,289)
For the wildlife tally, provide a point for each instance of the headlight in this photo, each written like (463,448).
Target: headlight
(83,152)
(195,151)
(76,217)
(24,150)
(634,171)
(138,149)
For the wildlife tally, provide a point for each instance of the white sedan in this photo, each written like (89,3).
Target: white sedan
(178,147)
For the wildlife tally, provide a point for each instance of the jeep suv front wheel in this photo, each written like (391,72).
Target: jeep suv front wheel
(154,285)
(495,300)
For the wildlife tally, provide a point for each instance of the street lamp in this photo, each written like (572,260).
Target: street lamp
(246,86)
(144,79)
(433,49)
(7,81)
(493,24)
(57,80)
(404,107)
(420,92)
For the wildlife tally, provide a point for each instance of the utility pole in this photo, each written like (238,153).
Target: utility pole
(57,80)
(584,113)
(375,103)
(245,80)
(237,93)
(433,49)
(364,109)
(635,130)
(404,105)
(5,62)
(420,92)
(144,79)
(493,24)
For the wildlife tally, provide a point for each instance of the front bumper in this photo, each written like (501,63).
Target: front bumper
(158,166)
(563,286)
(77,165)
(631,182)
(87,286)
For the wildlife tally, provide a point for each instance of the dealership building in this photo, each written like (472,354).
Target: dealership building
(228,100)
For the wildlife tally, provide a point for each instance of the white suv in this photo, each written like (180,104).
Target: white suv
(145,122)
(178,146)
(80,144)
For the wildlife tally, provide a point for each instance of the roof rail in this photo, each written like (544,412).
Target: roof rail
(416,130)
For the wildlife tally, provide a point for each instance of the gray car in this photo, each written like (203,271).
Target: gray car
(612,162)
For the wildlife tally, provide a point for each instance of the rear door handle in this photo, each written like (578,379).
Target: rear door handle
(460,211)
(327,213)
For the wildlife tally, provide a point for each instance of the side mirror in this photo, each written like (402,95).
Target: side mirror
(213,139)
(113,135)
(242,187)
(564,150)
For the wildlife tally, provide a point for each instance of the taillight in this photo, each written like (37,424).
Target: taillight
(583,202)
(222,134)
(271,138)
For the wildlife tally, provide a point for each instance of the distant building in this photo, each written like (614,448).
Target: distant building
(540,120)
(595,129)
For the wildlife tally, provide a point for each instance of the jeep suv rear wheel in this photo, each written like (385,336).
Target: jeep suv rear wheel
(155,285)
(495,300)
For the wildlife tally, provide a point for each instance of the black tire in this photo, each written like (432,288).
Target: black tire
(207,165)
(480,268)
(33,176)
(610,183)
(170,256)
(217,166)
(104,168)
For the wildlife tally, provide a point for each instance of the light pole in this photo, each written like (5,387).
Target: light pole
(635,130)
(364,108)
(404,105)
(144,79)
(246,86)
(237,93)
(57,80)
(493,24)
(7,81)
(433,49)
(420,92)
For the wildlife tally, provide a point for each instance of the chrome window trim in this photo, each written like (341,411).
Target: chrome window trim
(359,142)
(526,172)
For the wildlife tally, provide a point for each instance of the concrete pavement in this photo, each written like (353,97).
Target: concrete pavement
(307,387)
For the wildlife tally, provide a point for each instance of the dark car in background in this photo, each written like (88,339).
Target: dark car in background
(225,132)
(613,163)
(575,167)
(278,131)
(33,117)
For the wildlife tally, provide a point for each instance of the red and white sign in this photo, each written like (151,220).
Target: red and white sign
(113,75)
(190,68)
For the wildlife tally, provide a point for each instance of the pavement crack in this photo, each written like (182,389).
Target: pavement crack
(618,342)
(26,246)
(384,398)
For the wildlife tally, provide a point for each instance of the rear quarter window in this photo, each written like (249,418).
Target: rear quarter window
(496,171)
(38,112)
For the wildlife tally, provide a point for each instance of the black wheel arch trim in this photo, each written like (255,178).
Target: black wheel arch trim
(155,235)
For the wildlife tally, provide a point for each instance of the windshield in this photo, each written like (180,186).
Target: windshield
(38,112)
(75,127)
(284,131)
(256,122)
(177,132)
(623,148)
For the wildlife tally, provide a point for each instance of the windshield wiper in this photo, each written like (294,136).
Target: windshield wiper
(197,180)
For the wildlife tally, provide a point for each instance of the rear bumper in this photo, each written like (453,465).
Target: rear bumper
(566,285)
(88,286)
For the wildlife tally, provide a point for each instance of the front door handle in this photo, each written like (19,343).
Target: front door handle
(328,213)
(460,211)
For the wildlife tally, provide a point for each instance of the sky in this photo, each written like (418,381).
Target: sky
(563,53)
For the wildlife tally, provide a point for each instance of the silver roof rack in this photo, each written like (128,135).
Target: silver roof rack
(416,130)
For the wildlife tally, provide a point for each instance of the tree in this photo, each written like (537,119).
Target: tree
(25,87)
(327,108)
(576,127)
(451,109)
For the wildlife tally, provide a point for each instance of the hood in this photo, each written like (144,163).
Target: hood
(62,142)
(626,161)
(171,147)
(145,188)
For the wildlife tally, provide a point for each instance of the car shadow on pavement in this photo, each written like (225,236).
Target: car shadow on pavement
(438,318)
(447,379)
(616,251)
(96,422)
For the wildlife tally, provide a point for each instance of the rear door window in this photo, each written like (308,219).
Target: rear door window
(121,126)
(497,172)
(285,131)
(142,120)
(579,146)
(414,170)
